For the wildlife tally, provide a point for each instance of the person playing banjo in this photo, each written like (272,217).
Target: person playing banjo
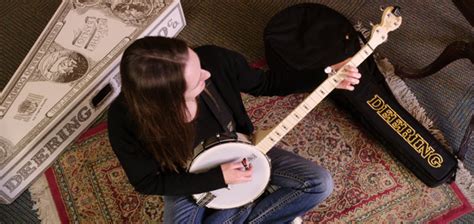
(174,98)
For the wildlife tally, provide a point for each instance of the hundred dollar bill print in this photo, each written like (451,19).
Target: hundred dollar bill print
(48,102)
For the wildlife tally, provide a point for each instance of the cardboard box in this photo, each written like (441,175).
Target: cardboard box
(69,78)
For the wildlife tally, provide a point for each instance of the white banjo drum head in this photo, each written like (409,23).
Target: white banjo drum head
(236,194)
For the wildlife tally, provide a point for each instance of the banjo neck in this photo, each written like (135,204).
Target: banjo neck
(236,195)
(291,120)
(391,20)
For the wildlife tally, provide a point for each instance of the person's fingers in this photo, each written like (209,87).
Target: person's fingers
(356,75)
(349,87)
(346,85)
(249,168)
(247,175)
(340,64)
(235,165)
(352,81)
(351,71)
(350,68)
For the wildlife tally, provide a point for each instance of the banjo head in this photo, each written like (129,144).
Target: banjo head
(236,194)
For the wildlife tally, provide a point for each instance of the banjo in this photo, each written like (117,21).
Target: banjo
(227,148)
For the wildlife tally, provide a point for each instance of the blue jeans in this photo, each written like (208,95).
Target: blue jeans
(301,185)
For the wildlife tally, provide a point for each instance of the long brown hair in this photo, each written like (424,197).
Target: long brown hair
(153,84)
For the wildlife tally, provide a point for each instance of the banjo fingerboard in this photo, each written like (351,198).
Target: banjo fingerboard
(291,120)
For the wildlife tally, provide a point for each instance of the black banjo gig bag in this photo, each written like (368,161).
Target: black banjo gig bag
(310,37)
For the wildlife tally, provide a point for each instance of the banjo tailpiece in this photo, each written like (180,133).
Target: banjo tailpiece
(203,201)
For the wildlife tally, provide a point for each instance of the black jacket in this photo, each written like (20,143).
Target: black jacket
(230,74)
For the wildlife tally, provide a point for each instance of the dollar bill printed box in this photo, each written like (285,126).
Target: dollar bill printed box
(68,78)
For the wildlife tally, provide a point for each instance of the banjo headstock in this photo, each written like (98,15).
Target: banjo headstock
(391,20)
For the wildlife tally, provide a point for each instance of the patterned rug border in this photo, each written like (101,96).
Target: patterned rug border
(51,178)
(465,208)
(57,198)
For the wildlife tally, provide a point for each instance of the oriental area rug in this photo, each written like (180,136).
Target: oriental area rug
(87,183)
